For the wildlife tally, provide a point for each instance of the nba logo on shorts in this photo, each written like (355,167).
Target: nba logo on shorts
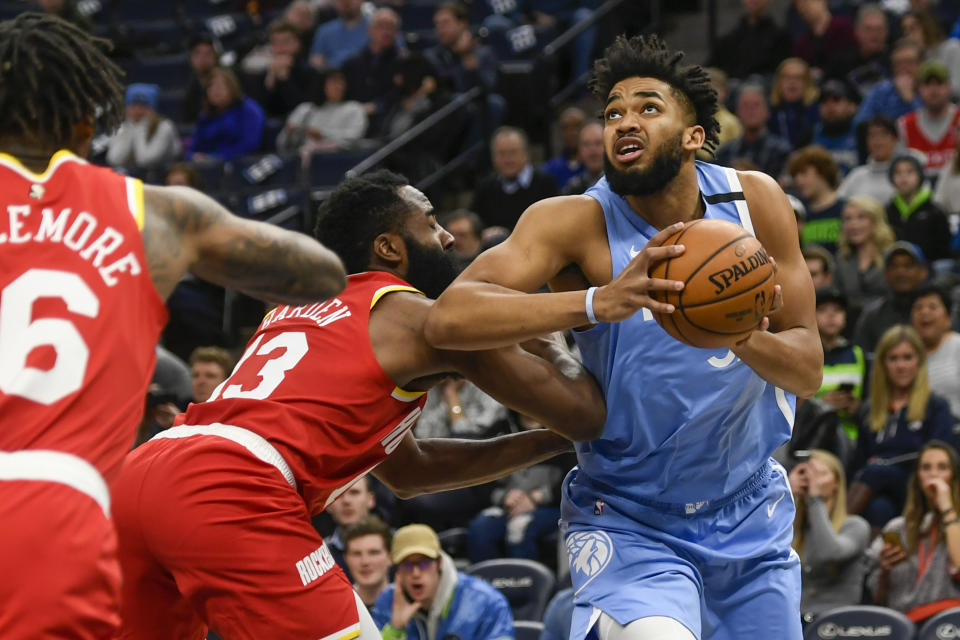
(589,553)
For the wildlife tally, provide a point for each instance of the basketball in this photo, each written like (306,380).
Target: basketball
(728,284)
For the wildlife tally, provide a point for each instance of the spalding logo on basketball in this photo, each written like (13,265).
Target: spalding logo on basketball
(589,553)
(728,284)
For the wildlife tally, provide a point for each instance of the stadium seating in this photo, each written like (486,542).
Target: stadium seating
(454,542)
(945,624)
(170,72)
(527,584)
(861,621)
(262,172)
(328,169)
(527,629)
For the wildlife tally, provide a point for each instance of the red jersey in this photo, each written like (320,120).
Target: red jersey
(79,315)
(938,152)
(310,384)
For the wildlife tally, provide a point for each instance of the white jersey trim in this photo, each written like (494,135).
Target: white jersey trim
(785,407)
(56,466)
(742,209)
(252,442)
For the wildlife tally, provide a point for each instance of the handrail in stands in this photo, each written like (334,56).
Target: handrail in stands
(575,30)
(454,105)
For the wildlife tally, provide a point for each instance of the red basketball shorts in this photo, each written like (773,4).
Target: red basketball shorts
(211,535)
(59,576)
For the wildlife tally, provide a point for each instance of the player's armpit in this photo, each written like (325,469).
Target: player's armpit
(488,305)
(793,335)
(184,230)
(417,467)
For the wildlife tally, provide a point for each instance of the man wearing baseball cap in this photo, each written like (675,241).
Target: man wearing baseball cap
(431,600)
(932,129)
(904,269)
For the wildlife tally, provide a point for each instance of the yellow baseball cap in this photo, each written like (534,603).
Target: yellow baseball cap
(414,538)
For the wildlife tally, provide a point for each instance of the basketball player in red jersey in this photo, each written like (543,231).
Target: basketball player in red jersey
(214,515)
(87,257)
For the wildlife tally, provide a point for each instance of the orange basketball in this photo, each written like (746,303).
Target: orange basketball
(728,284)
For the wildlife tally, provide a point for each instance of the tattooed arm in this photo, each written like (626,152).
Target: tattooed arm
(184,230)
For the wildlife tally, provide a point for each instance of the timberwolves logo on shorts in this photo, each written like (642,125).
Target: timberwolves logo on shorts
(589,553)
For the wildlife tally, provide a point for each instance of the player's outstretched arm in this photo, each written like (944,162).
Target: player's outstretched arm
(185,230)
(424,466)
(790,354)
(541,379)
(490,305)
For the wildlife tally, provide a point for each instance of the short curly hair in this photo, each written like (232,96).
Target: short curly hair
(648,56)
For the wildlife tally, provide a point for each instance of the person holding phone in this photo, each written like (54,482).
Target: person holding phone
(829,541)
(918,556)
(430,599)
(844,366)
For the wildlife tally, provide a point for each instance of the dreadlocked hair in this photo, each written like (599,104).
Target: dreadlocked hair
(54,76)
(648,56)
(357,211)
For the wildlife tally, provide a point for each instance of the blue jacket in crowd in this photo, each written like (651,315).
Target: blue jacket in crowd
(235,132)
(465,608)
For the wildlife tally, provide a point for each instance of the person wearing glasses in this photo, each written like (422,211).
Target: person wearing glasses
(429,599)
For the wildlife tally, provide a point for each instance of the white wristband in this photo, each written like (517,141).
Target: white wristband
(589,304)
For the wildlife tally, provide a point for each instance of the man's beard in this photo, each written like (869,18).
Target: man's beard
(667,160)
(431,269)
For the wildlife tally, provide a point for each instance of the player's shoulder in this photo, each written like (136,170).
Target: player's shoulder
(561,216)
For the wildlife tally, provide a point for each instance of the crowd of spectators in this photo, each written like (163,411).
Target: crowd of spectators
(851,106)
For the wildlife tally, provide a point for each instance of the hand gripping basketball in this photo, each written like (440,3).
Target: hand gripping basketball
(631,289)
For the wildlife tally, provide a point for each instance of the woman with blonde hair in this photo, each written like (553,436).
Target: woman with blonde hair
(900,415)
(230,125)
(864,236)
(919,553)
(793,103)
(829,541)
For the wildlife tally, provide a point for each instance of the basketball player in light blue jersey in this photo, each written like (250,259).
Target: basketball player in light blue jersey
(677,523)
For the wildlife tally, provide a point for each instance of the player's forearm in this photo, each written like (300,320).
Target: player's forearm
(472,316)
(790,359)
(451,463)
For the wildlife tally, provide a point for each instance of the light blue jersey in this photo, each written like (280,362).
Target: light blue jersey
(676,510)
(684,425)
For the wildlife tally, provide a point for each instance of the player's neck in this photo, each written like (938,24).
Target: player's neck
(33,157)
(678,200)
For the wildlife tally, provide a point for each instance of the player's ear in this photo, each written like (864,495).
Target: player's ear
(389,248)
(82,137)
(694,137)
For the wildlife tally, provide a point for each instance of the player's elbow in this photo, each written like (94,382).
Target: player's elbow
(811,382)
(331,275)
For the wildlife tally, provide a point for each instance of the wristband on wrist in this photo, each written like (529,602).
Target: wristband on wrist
(946,511)
(589,305)
(947,523)
(389,632)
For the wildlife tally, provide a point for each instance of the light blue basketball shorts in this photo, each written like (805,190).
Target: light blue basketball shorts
(724,569)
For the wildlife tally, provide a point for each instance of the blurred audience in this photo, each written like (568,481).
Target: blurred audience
(431,600)
(230,125)
(209,366)
(204,56)
(904,269)
(278,76)
(353,505)
(145,139)
(765,150)
(338,40)
(864,237)
(873,178)
(366,546)
(898,95)
(793,103)
(912,213)
(369,74)
(919,554)
(834,132)
(930,317)
(591,154)
(466,228)
(816,177)
(756,45)
(931,128)
(899,416)
(921,25)
(327,124)
(829,541)
(844,365)
(515,184)
(567,165)
(826,36)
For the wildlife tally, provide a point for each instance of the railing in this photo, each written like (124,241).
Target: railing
(460,102)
